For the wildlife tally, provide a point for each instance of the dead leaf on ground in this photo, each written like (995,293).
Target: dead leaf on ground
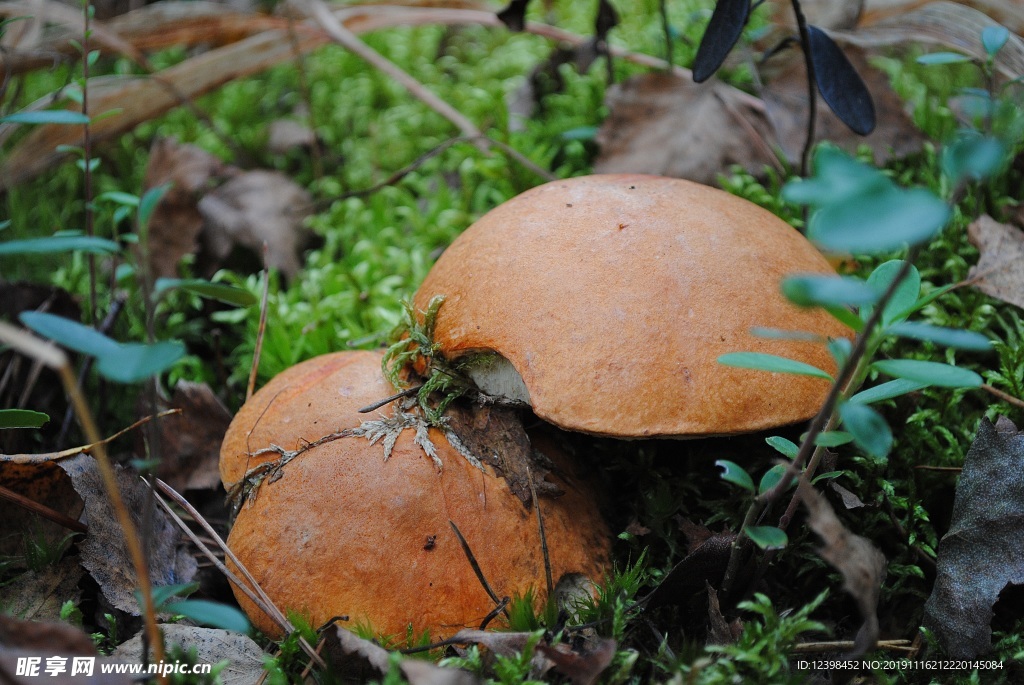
(1009,13)
(286,135)
(39,595)
(983,550)
(785,96)
(46,641)
(582,667)
(45,484)
(704,564)
(720,631)
(176,223)
(999,272)
(55,637)
(212,645)
(253,208)
(825,14)
(859,561)
(670,126)
(340,646)
(190,441)
(104,552)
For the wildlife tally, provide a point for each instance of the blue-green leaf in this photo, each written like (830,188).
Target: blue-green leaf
(70,334)
(833,438)
(133,362)
(118,197)
(887,391)
(813,290)
(211,614)
(932,373)
(46,116)
(837,178)
(60,243)
(993,38)
(949,337)
(933,58)
(880,221)
(973,157)
(150,199)
(767,537)
(222,292)
(903,299)
(783,334)
(771,478)
(735,474)
(840,349)
(22,418)
(869,429)
(786,448)
(771,362)
(162,593)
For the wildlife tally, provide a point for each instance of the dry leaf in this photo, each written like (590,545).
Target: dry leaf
(825,14)
(176,223)
(45,484)
(341,645)
(104,552)
(286,135)
(212,645)
(983,550)
(54,637)
(719,630)
(581,667)
(1009,13)
(859,561)
(850,500)
(705,564)
(39,595)
(669,126)
(254,208)
(785,96)
(44,641)
(190,441)
(999,272)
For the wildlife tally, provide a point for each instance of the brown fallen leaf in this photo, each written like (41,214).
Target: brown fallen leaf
(1009,13)
(66,651)
(581,667)
(999,272)
(39,595)
(104,552)
(55,637)
(670,126)
(256,208)
(340,646)
(983,550)
(211,645)
(44,484)
(176,223)
(859,561)
(825,14)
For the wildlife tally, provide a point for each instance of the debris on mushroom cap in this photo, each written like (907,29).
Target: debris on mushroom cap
(339,531)
(612,297)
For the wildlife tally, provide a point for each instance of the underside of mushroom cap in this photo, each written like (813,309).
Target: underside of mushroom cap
(613,296)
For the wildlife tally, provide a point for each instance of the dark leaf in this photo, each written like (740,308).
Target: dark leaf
(724,29)
(607,19)
(983,551)
(582,668)
(860,562)
(514,16)
(22,418)
(840,84)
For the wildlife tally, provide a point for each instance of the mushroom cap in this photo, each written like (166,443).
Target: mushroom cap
(343,532)
(613,296)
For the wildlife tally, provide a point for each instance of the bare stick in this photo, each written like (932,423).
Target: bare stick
(261,329)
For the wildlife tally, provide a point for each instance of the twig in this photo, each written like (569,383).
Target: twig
(812,87)
(408,392)
(1005,397)
(543,536)
(336,30)
(847,645)
(42,510)
(473,562)
(261,329)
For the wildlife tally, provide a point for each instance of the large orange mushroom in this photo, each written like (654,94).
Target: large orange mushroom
(337,530)
(605,301)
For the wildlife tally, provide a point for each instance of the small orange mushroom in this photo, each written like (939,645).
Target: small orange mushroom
(342,532)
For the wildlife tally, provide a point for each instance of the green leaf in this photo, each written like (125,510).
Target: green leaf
(949,337)
(579,133)
(221,292)
(833,438)
(934,58)
(846,317)
(150,199)
(212,614)
(162,593)
(771,478)
(46,116)
(735,474)
(770,362)
(972,156)
(786,448)
(767,537)
(869,429)
(827,291)
(133,362)
(880,221)
(840,349)
(993,38)
(887,391)
(60,243)
(932,373)
(22,418)
(116,196)
(905,296)
(70,334)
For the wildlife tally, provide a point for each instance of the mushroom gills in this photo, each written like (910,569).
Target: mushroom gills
(495,376)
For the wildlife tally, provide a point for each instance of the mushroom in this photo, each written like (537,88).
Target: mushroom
(335,529)
(605,301)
